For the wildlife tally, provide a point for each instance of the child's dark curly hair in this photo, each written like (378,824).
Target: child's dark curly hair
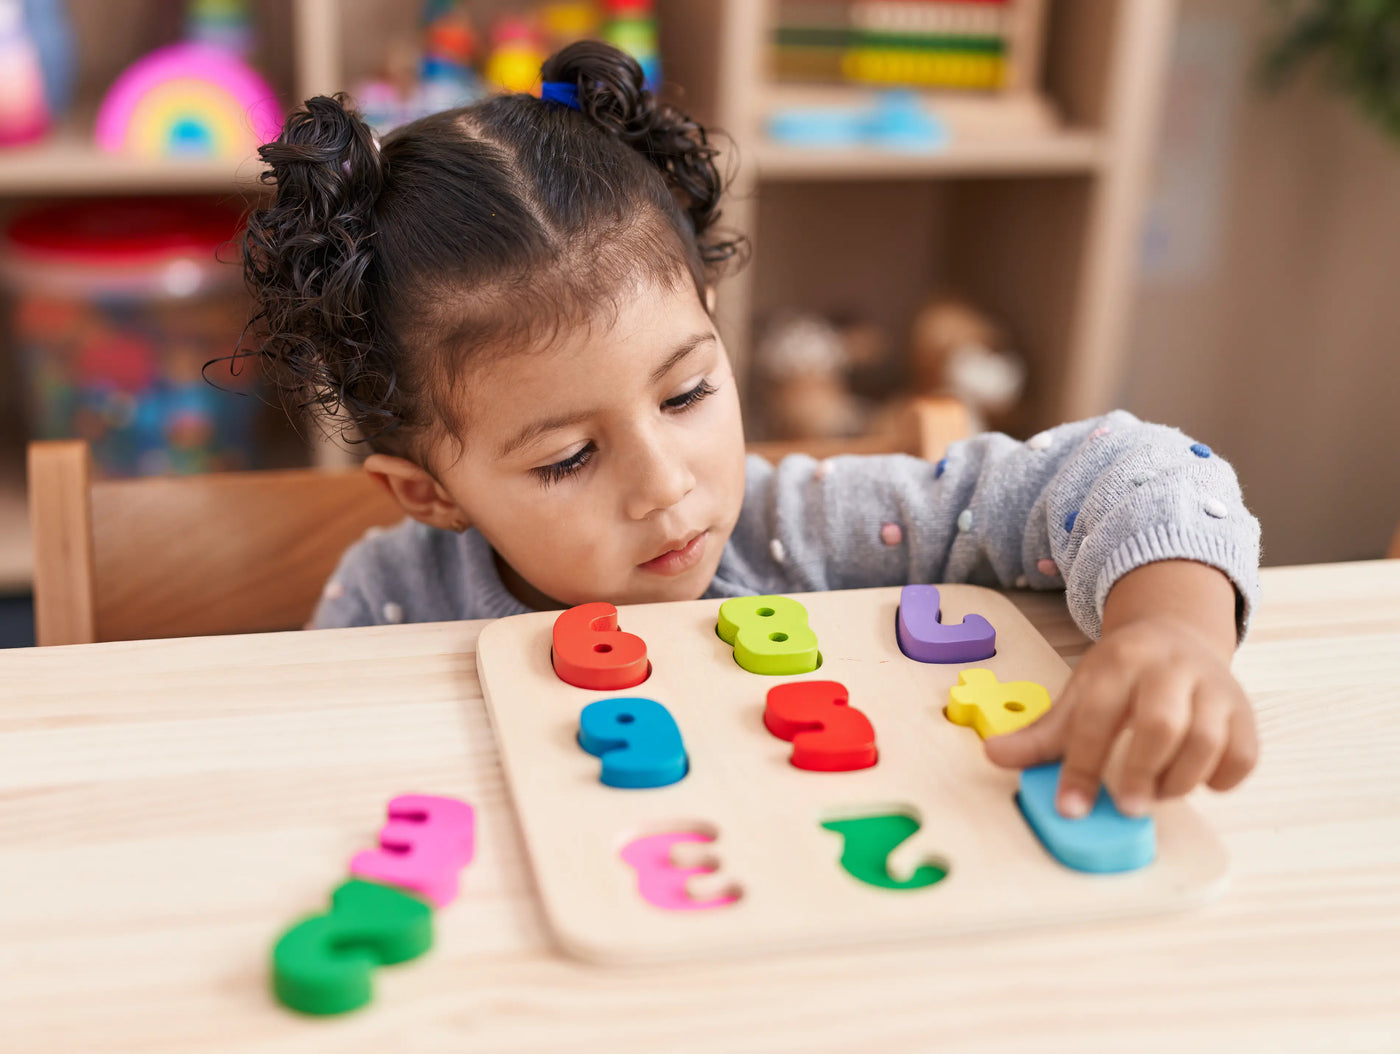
(379,270)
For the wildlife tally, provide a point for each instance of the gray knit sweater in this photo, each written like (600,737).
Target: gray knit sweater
(1073,508)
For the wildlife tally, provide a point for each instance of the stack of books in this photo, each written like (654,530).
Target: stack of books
(908,43)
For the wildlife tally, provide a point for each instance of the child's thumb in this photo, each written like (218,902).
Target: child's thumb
(1040,741)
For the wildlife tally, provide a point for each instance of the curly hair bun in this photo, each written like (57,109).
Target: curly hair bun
(612,94)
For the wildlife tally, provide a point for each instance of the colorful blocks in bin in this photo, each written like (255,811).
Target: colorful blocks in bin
(325,964)
(1103,842)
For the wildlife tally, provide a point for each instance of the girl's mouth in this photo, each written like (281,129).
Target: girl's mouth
(680,559)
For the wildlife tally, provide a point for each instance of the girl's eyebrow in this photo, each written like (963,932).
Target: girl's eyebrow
(549,424)
(682,350)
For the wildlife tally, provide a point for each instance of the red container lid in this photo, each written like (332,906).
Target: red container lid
(121,232)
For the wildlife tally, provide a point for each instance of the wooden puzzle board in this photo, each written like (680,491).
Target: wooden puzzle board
(766,814)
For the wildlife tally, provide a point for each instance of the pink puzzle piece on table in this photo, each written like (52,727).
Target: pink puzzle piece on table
(660,881)
(426,842)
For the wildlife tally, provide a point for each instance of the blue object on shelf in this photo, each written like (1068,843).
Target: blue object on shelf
(53,37)
(894,120)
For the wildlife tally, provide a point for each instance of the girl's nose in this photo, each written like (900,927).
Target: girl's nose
(662,479)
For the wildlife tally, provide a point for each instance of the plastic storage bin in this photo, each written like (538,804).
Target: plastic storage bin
(116,308)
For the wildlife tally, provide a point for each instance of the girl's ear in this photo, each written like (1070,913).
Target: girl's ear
(421,496)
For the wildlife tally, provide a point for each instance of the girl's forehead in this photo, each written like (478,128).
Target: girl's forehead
(621,342)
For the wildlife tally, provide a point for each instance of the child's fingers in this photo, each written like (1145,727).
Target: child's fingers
(1042,740)
(1099,710)
(1203,746)
(1160,719)
(1242,751)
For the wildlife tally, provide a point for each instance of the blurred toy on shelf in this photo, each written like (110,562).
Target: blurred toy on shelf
(454,67)
(188,100)
(198,98)
(631,26)
(566,21)
(446,76)
(439,73)
(956,349)
(891,120)
(804,365)
(221,24)
(517,53)
(36,68)
(122,317)
(945,44)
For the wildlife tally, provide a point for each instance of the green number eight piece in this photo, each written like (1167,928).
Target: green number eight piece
(770,635)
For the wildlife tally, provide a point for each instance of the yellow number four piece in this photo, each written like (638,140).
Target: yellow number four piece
(769,634)
(995,707)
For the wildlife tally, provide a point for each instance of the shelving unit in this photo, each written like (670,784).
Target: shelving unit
(1031,209)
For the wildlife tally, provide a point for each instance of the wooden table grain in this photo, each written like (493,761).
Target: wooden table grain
(167,807)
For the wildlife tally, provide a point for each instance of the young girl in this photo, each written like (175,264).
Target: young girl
(511,303)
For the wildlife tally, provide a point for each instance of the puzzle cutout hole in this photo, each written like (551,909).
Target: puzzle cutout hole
(870,843)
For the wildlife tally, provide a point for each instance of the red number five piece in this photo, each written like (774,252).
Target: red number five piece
(827,734)
(591,652)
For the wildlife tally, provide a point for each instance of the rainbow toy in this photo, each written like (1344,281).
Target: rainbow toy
(190,100)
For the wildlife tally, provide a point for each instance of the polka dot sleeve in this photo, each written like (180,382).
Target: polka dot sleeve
(1075,507)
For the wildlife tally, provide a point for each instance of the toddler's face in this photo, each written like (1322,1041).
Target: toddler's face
(610,465)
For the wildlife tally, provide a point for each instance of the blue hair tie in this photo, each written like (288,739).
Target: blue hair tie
(562,92)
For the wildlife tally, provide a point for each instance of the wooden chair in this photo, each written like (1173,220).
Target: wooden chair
(246,552)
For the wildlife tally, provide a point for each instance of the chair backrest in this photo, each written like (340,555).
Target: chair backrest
(248,552)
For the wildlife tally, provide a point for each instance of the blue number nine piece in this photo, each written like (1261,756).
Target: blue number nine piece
(637,740)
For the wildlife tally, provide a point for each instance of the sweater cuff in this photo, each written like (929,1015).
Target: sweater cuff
(1237,561)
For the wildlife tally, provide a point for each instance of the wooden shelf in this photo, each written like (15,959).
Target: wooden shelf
(69,162)
(1042,154)
(1012,134)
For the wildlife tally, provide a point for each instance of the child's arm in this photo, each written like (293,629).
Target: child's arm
(1160,675)
(1144,529)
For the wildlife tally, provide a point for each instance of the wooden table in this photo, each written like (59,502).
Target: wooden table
(167,807)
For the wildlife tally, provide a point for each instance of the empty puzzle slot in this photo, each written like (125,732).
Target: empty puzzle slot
(677,866)
(871,837)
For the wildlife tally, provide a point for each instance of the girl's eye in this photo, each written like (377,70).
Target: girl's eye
(686,400)
(562,470)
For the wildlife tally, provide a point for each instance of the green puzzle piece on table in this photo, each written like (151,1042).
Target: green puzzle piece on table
(324,964)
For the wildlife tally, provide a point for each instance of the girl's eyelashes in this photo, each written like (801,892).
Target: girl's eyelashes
(548,475)
(688,399)
(562,470)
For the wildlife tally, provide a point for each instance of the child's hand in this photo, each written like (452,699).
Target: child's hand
(1163,681)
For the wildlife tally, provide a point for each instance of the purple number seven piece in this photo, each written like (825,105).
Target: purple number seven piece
(923,636)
